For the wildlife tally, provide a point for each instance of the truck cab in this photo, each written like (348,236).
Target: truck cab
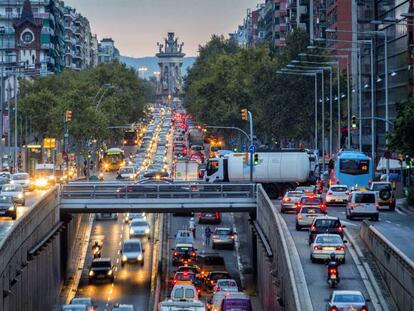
(215,170)
(44,177)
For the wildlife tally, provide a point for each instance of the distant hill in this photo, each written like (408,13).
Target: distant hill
(152,64)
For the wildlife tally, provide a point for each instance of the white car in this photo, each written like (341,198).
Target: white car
(337,194)
(347,300)
(363,204)
(139,228)
(305,216)
(226,285)
(130,216)
(85,301)
(184,236)
(326,244)
(128,172)
(14,191)
(22,179)
(132,252)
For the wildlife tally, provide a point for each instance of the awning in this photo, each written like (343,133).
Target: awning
(394,164)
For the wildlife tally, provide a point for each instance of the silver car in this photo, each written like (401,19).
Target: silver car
(344,300)
(139,228)
(132,252)
(326,244)
(363,204)
(289,200)
(223,237)
(14,191)
(22,179)
(306,215)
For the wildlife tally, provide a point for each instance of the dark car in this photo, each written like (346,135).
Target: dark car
(310,201)
(209,217)
(183,254)
(101,269)
(223,237)
(326,224)
(209,262)
(8,207)
(193,268)
(212,277)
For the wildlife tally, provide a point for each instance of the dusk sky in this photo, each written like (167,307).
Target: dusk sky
(137,25)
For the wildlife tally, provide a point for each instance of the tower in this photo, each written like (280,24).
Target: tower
(27,36)
(170,61)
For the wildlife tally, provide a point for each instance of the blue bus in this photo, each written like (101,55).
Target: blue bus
(352,168)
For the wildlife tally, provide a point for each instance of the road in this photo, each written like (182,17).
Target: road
(315,273)
(6,222)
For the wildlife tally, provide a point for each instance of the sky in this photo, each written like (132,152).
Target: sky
(137,25)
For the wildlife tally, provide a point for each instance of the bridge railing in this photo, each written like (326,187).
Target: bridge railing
(96,190)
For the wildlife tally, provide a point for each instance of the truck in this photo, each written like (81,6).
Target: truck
(195,137)
(44,176)
(277,171)
(186,170)
(184,297)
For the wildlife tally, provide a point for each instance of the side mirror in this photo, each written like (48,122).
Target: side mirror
(368,300)
(345,241)
(326,299)
(195,249)
(143,250)
(172,249)
(343,226)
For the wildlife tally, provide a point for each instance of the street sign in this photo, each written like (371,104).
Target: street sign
(49,143)
(252,148)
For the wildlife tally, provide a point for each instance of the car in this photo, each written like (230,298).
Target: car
(310,201)
(101,269)
(337,194)
(226,285)
(289,200)
(209,217)
(74,308)
(22,179)
(183,254)
(385,194)
(5,175)
(231,303)
(347,300)
(210,262)
(123,307)
(193,268)
(106,216)
(184,237)
(183,292)
(186,278)
(128,172)
(211,278)
(130,216)
(132,252)
(86,301)
(223,237)
(326,244)
(325,224)
(306,189)
(139,228)
(305,216)
(8,207)
(218,300)
(362,204)
(14,191)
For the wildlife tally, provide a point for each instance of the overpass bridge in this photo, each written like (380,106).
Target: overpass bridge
(118,197)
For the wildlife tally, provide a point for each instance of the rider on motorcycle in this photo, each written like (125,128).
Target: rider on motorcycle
(333,264)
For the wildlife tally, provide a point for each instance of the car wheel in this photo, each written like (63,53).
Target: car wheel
(213,246)
(282,210)
(142,263)
(14,216)
(298,227)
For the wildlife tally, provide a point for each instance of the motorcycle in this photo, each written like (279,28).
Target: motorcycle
(333,279)
(96,251)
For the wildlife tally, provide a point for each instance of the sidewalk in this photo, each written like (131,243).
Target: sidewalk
(403,207)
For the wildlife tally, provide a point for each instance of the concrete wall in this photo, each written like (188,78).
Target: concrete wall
(281,275)
(396,268)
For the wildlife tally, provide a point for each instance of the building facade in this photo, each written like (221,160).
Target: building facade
(107,52)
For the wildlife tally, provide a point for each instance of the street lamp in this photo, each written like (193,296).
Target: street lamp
(102,89)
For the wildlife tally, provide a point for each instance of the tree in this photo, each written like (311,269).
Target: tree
(402,138)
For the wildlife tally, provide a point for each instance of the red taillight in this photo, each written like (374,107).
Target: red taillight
(199,215)
(185,273)
(317,248)
(232,237)
(175,253)
(193,254)
(332,271)
(214,236)
(347,193)
(298,205)
(211,281)
(340,248)
(334,309)
(217,215)
(340,229)
(377,206)
(313,228)
(364,308)
(329,193)
(322,206)
(175,281)
(198,290)
(352,205)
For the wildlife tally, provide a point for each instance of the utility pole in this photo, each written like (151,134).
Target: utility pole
(247,116)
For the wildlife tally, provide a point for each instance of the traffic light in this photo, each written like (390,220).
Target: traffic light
(354,122)
(256,159)
(408,163)
(244,114)
(68,116)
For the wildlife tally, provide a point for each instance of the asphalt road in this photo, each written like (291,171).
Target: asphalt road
(6,222)
(315,273)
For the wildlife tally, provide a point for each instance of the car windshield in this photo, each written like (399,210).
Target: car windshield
(217,276)
(294,194)
(223,232)
(327,223)
(20,177)
(132,247)
(11,188)
(179,293)
(101,264)
(339,189)
(6,200)
(311,210)
(138,223)
(378,187)
(354,167)
(311,200)
(329,239)
(364,198)
(349,298)
(227,283)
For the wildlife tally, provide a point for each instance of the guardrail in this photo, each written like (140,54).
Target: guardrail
(84,197)
(394,264)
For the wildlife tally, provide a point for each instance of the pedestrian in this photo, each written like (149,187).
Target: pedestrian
(192,227)
(207,235)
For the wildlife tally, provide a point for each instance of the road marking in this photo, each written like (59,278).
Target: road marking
(366,275)
(237,245)
(388,221)
(400,211)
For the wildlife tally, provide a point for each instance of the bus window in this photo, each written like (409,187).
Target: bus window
(353,166)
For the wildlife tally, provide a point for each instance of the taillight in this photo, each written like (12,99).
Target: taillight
(175,253)
(347,193)
(377,206)
(214,236)
(199,215)
(175,281)
(340,229)
(313,228)
(332,271)
(298,205)
(317,248)
(352,205)
(364,308)
(322,206)
(217,215)
(232,237)
(211,281)
(340,248)
(334,308)
(193,254)
(285,199)
(329,193)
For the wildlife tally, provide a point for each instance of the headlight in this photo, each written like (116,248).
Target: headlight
(131,231)
(41,182)
(106,165)
(131,177)
(124,258)
(91,273)
(147,230)
(20,196)
(12,182)
(110,272)
(139,257)
(11,208)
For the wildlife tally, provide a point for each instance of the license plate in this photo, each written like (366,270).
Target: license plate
(329,248)
(333,277)
(208,215)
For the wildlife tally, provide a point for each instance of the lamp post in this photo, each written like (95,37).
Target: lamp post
(102,89)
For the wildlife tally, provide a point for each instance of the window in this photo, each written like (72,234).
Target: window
(27,37)
(365,198)
(354,167)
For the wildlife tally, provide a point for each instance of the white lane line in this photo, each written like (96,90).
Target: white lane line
(237,245)
(366,275)
(400,211)
(388,221)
